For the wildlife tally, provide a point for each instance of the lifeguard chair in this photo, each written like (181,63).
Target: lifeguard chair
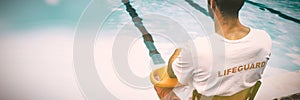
(246,94)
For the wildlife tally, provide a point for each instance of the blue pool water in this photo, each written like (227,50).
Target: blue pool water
(284,30)
(284,33)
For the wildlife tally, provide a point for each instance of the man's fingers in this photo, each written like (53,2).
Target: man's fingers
(171,60)
(177,51)
(174,56)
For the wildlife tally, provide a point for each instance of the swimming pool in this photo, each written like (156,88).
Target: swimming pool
(160,16)
(284,32)
(37,44)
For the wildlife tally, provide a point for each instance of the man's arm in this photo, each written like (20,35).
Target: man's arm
(171,60)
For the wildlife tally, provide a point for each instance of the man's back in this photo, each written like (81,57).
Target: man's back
(223,67)
(223,63)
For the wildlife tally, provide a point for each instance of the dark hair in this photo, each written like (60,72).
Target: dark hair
(229,8)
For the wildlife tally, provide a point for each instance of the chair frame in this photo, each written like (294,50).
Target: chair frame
(246,94)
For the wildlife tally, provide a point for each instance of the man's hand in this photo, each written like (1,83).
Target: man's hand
(171,60)
(166,93)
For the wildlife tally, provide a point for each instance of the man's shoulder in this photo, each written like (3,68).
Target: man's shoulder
(261,33)
(202,40)
(200,45)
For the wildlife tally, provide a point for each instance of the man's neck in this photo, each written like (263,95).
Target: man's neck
(231,28)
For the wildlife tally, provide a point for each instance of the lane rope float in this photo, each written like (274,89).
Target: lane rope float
(148,39)
(158,77)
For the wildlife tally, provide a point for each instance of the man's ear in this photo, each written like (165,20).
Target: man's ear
(212,4)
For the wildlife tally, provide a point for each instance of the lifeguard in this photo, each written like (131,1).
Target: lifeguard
(223,63)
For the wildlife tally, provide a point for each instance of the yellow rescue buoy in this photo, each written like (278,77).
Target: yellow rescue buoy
(160,78)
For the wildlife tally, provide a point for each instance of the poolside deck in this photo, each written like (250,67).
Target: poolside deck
(278,86)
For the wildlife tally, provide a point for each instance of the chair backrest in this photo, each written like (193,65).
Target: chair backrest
(248,93)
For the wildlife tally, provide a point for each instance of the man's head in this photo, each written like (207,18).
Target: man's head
(226,8)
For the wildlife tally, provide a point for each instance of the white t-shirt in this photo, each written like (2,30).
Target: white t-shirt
(214,65)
